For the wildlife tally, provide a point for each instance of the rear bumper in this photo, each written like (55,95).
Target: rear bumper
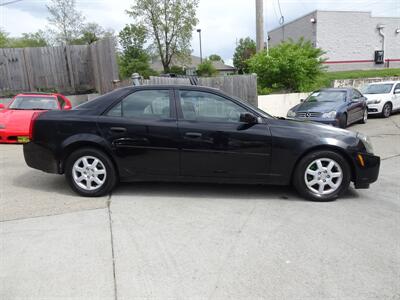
(367,173)
(41,158)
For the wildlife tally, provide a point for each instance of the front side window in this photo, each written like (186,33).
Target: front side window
(34,103)
(147,104)
(203,106)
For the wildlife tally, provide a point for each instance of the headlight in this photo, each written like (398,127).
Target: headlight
(373,101)
(291,113)
(2,126)
(329,115)
(367,142)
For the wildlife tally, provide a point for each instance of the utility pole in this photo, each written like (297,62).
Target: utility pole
(259,25)
(201,52)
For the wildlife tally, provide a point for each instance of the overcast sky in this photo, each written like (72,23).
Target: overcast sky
(222,21)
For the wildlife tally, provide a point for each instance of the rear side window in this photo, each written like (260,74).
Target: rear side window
(147,104)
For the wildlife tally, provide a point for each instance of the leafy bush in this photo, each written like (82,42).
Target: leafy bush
(206,68)
(177,70)
(289,66)
(245,49)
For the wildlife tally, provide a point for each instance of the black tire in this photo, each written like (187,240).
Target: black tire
(387,110)
(110,177)
(365,117)
(343,121)
(299,180)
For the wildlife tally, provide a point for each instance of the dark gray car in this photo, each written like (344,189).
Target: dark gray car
(339,107)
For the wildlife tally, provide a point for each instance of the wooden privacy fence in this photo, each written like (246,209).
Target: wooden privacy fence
(67,69)
(241,86)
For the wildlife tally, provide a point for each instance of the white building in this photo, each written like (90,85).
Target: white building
(350,38)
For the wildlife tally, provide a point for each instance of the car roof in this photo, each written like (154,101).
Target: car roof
(345,89)
(386,82)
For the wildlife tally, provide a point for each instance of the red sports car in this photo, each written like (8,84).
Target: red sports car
(15,118)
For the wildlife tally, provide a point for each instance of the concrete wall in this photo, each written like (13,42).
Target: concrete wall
(279,104)
(352,37)
(301,27)
(359,83)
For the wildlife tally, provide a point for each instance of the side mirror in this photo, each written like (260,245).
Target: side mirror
(248,118)
(301,100)
(396,91)
(2,106)
(67,107)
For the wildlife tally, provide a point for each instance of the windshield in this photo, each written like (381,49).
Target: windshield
(327,96)
(34,103)
(378,88)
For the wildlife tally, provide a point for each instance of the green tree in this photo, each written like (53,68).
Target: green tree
(37,39)
(65,19)
(294,67)
(216,57)
(3,38)
(169,24)
(90,33)
(206,68)
(244,50)
(134,58)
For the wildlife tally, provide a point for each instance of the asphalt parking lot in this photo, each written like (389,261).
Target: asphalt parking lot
(197,241)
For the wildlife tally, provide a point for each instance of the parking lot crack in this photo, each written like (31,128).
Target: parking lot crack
(112,245)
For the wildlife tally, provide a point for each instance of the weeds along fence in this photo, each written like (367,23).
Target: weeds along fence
(67,69)
(241,86)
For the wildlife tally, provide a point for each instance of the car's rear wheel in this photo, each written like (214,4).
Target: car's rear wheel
(90,172)
(365,117)
(322,176)
(343,121)
(387,110)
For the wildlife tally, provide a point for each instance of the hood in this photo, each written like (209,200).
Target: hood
(317,106)
(377,96)
(16,120)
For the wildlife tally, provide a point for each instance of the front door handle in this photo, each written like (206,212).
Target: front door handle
(193,134)
(118,129)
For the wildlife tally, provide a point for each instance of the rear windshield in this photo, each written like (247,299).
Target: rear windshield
(327,96)
(34,103)
(378,88)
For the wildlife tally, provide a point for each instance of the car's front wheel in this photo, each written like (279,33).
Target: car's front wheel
(322,176)
(343,121)
(90,172)
(387,110)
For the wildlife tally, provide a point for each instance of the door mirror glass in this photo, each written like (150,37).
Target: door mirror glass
(397,91)
(2,105)
(248,118)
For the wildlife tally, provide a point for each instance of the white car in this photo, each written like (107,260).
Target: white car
(382,97)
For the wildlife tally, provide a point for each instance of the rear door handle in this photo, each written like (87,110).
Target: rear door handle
(193,134)
(118,129)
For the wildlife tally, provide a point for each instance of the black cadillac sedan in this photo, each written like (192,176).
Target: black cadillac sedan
(194,134)
(339,107)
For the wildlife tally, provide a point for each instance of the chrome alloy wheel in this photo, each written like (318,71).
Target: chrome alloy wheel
(89,173)
(323,176)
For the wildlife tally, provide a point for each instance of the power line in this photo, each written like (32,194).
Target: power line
(9,2)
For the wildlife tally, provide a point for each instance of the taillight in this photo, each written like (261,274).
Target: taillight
(31,126)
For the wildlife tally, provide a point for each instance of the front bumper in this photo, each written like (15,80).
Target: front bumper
(41,158)
(374,109)
(366,169)
(11,137)
(333,122)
